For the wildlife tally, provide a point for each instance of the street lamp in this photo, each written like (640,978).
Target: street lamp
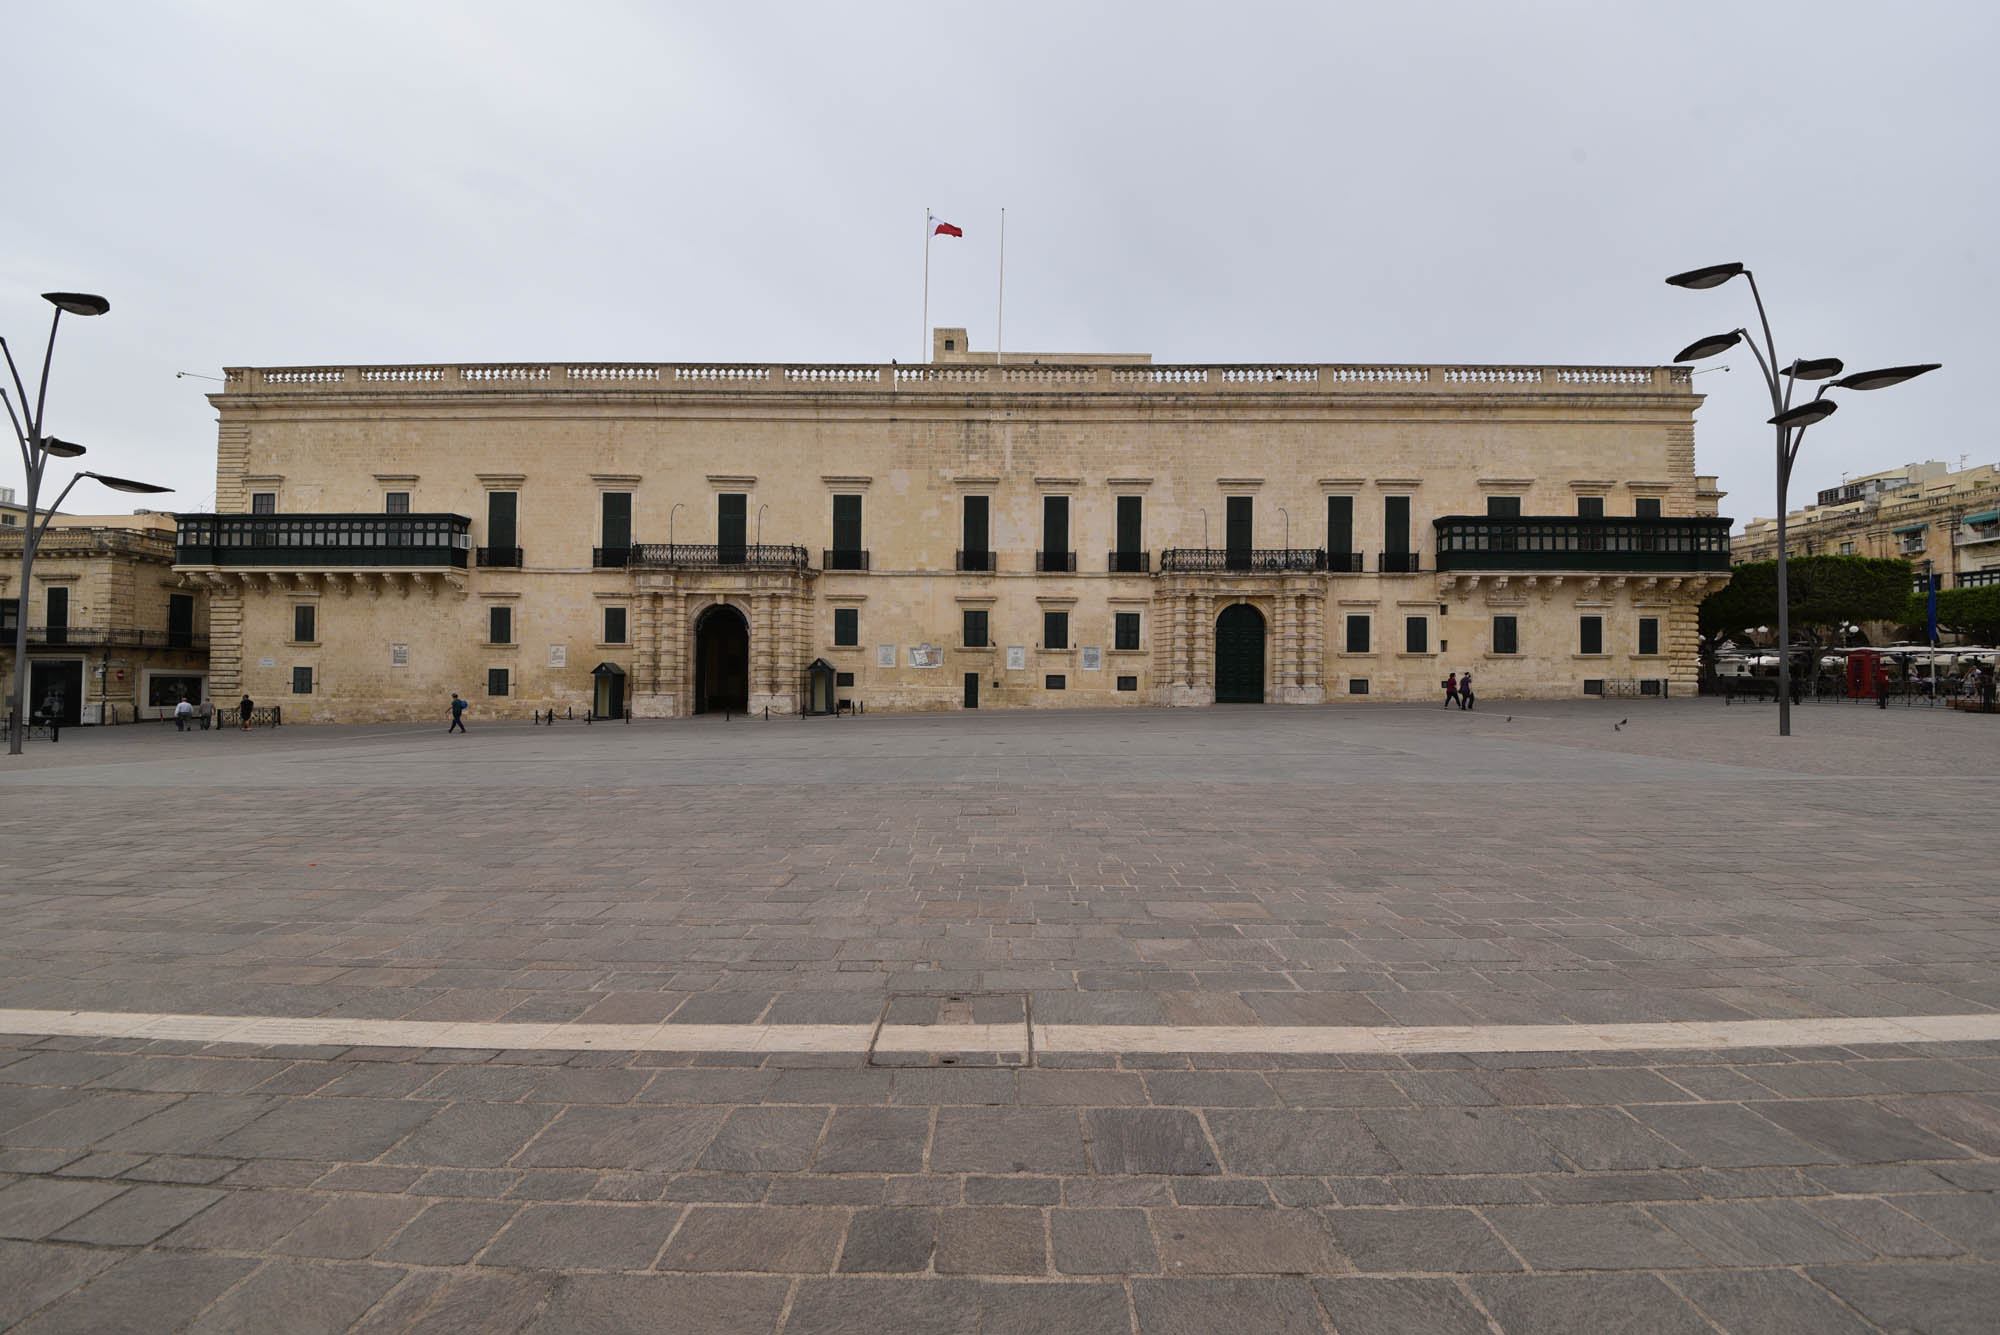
(1790,423)
(36,451)
(670,528)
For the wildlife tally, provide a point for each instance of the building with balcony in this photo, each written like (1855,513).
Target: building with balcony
(1919,512)
(113,632)
(965,533)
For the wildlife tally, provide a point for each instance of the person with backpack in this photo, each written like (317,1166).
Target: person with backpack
(457,714)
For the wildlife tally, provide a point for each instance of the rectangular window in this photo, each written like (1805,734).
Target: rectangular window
(731,527)
(847,533)
(1130,513)
(302,681)
(1055,532)
(180,621)
(499,625)
(1055,630)
(1591,635)
(1128,683)
(614,625)
(503,510)
(396,503)
(1847,549)
(1238,531)
(1357,685)
(617,521)
(1054,682)
(977,539)
(847,625)
(975,629)
(1357,634)
(56,601)
(305,621)
(1396,525)
(496,681)
(1503,507)
(1339,529)
(1590,507)
(1416,635)
(1646,507)
(1125,630)
(843,679)
(263,502)
(10,617)
(1649,635)
(1505,641)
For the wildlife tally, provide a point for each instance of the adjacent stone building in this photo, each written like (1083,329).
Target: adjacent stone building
(113,632)
(967,533)
(1920,513)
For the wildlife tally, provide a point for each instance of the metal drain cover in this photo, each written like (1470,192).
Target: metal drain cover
(953,1029)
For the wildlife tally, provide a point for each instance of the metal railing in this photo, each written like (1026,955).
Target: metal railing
(839,558)
(1570,542)
(702,556)
(1128,563)
(497,558)
(1050,563)
(1242,560)
(975,562)
(296,540)
(1399,563)
(112,637)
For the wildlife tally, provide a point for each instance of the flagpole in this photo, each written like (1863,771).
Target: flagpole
(1000,319)
(927,289)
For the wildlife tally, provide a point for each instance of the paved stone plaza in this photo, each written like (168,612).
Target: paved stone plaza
(1362,1019)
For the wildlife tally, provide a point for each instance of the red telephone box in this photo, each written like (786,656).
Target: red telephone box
(1866,674)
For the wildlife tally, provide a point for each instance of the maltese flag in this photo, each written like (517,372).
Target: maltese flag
(939,227)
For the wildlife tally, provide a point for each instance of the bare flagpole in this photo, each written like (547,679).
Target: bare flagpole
(927,288)
(1000,320)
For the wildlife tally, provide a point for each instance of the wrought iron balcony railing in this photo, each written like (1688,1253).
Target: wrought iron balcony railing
(1128,563)
(118,637)
(1055,562)
(702,556)
(498,558)
(836,558)
(975,561)
(1567,542)
(1246,560)
(297,541)
(1399,563)
(1346,563)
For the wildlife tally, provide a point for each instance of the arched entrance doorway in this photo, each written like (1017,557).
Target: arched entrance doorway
(1239,656)
(721,661)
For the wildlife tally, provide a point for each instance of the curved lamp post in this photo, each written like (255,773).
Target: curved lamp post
(36,451)
(1789,421)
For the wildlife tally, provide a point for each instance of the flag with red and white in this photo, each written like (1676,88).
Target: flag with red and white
(939,227)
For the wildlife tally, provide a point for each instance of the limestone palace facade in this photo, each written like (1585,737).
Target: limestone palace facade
(656,540)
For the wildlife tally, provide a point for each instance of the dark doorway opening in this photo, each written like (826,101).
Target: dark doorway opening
(972,690)
(62,679)
(721,661)
(820,679)
(1239,656)
(607,696)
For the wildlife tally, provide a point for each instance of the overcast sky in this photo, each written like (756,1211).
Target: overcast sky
(273,184)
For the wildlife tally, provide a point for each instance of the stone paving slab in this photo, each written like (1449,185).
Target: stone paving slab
(1253,871)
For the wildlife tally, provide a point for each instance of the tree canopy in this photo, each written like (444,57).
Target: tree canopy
(1825,591)
(1971,613)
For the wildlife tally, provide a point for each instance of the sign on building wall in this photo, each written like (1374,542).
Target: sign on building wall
(399,655)
(1091,658)
(1017,657)
(885,655)
(926,656)
(558,655)
(267,662)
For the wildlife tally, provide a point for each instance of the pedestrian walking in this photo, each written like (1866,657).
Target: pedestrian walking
(1881,686)
(243,708)
(1451,690)
(1986,687)
(205,710)
(1465,690)
(457,714)
(183,712)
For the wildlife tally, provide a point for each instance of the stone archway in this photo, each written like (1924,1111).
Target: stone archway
(721,661)
(1239,655)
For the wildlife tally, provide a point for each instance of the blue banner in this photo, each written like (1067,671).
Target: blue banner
(1930,604)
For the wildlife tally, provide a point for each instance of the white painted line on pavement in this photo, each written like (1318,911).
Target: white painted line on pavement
(1842,1031)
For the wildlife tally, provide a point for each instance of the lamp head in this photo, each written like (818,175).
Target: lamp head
(1708,347)
(61,449)
(77,303)
(1806,413)
(1817,368)
(1715,275)
(124,483)
(1887,376)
